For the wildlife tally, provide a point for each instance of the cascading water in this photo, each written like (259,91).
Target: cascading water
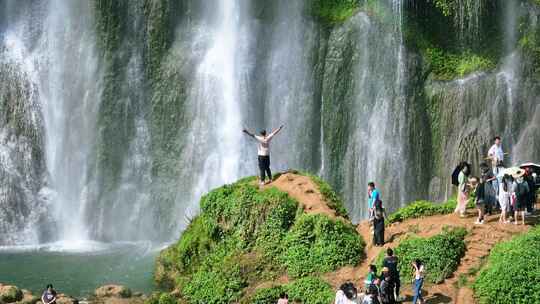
(214,143)
(290,96)
(55,47)
(376,129)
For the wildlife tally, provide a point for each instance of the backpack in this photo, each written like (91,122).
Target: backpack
(522,189)
(455,175)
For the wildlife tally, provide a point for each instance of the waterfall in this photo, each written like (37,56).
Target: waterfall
(214,142)
(376,122)
(467,18)
(55,49)
(290,97)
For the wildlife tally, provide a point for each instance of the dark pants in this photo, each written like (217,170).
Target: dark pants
(378,232)
(264,167)
(397,285)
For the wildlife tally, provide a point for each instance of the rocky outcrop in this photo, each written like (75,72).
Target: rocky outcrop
(10,294)
(107,294)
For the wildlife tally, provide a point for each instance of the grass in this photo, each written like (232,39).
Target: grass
(440,254)
(310,290)
(244,236)
(333,11)
(512,273)
(446,66)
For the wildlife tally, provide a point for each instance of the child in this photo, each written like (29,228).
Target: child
(283,298)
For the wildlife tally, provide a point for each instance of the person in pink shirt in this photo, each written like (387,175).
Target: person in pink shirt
(283,299)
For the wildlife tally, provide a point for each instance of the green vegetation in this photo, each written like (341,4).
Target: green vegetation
(447,66)
(441,254)
(530,44)
(421,209)
(512,273)
(333,11)
(317,244)
(244,236)
(306,290)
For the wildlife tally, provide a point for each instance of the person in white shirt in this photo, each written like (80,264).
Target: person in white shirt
(496,154)
(263,152)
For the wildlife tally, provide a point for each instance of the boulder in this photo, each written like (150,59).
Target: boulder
(113,291)
(10,294)
(28,298)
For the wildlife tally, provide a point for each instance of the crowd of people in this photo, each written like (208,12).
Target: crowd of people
(510,190)
(383,287)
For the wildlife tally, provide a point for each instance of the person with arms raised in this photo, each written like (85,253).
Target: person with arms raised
(263,152)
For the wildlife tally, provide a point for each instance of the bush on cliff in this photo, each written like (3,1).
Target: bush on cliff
(310,290)
(244,236)
(512,273)
(440,254)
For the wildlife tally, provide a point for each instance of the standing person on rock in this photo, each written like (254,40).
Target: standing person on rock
(391,262)
(49,295)
(418,281)
(463,189)
(263,152)
(374,199)
(496,155)
(522,197)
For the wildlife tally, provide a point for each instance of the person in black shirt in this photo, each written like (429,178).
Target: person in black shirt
(391,262)
(481,200)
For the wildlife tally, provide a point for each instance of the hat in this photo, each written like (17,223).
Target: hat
(515,172)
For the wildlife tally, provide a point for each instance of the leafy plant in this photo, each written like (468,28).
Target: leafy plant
(421,209)
(333,11)
(512,273)
(440,254)
(310,290)
(318,244)
(243,236)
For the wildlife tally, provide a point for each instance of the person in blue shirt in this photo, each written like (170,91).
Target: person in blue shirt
(374,197)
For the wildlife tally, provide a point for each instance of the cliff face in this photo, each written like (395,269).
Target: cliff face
(145,100)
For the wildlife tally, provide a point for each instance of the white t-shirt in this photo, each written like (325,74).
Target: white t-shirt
(496,151)
(264,144)
(419,274)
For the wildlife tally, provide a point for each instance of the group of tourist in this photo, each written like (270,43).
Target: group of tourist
(383,288)
(510,190)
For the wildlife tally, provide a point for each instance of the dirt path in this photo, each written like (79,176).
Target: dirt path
(305,191)
(479,242)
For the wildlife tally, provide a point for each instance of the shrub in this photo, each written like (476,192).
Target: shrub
(333,11)
(218,280)
(319,244)
(420,209)
(310,290)
(447,66)
(512,273)
(244,236)
(440,254)
(267,295)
